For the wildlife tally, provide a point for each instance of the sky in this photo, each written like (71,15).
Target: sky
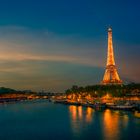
(53,44)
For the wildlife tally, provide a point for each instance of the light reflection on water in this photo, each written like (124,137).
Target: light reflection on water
(111,121)
(80,118)
(43,120)
(78,113)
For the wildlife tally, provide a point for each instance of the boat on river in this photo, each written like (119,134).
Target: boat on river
(121,107)
(137,114)
(125,106)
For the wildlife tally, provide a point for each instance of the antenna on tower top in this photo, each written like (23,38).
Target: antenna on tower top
(109,29)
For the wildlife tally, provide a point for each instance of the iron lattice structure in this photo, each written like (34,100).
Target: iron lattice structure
(111,75)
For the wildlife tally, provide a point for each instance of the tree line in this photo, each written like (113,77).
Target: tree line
(101,90)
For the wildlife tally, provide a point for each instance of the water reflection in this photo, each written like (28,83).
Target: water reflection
(80,115)
(71,122)
(125,120)
(89,113)
(73,111)
(110,122)
(111,127)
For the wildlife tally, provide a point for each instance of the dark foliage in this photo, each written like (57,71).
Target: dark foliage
(101,90)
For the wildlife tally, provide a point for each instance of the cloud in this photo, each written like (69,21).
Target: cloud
(46,75)
(20,43)
(38,59)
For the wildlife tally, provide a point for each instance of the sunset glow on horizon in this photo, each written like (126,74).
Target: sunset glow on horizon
(52,45)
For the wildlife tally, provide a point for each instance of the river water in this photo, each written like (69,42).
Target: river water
(42,120)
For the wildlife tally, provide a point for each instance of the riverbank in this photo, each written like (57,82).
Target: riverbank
(7,100)
(127,106)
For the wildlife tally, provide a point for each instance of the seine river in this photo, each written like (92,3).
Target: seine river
(42,120)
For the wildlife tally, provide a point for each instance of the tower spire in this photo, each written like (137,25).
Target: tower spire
(111,75)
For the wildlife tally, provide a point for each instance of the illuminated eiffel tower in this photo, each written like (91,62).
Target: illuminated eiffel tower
(111,75)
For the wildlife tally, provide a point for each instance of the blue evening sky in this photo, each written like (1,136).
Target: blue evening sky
(54,44)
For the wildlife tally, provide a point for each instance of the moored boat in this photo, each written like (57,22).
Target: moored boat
(121,107)
(137,114)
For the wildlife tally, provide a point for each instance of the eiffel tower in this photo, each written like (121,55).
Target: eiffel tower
(111,75)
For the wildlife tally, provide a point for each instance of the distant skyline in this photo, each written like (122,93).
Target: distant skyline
(51,45)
